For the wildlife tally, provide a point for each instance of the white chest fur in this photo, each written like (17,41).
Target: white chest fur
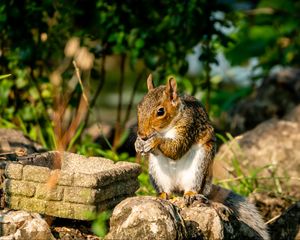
(179,175)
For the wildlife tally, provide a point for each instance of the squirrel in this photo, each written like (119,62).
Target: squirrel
(176,133)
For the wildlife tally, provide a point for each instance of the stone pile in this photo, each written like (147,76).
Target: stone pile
(21,225)
(68,185)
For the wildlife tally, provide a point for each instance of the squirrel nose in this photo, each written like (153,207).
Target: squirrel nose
(144,137)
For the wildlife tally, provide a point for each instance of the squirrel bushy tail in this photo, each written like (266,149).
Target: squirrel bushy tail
(245,211)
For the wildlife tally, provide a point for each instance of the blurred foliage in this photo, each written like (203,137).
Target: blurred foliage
(34,34)
(100,224)
(268,30)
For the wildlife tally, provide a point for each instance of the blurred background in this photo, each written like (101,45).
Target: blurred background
(72,72)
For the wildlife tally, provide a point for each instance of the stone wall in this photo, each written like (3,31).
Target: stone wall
(82,185)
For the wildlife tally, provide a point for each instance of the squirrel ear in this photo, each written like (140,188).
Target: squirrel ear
(171,88)
(150,84)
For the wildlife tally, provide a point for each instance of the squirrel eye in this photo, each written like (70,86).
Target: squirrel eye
(160,112)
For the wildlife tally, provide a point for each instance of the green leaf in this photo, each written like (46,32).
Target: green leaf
(139,43)
(76,136)
(99,225)
(4,76)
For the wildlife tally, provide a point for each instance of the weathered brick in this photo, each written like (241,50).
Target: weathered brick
(79,195)
(44,192)
(110,203)
(32,205)
(85,180)
(121,172)
(59,209)
(16,187)
(83,212)
(36,173)
(12,201)
(65,178)
(14,171)
(118,188)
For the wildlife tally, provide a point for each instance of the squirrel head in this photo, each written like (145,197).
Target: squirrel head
(158,108)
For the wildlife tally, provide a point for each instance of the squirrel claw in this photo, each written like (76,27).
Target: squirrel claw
(190,197)
(148,145)
(142,146)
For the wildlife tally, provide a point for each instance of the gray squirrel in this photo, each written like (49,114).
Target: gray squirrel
(176,132)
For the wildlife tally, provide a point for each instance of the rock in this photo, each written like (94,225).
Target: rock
(14,141)
(73,232)
(68,185)
(146,218)
(287,225)
(277,95)
(21,225)
(202,221)
(154,218)
(272,149)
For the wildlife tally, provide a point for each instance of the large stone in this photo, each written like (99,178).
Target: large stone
(202,222)
(146,218)
(21,225)
(272,150)
(13,141)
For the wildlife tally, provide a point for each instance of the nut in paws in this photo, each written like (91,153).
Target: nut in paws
(139,145)
(149,145)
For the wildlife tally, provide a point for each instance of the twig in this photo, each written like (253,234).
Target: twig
(82,109)
(231,179)
(258,178)
(77,71)
(120,97)
(273,219)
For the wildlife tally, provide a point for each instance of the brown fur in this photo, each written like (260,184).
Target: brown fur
(189,132)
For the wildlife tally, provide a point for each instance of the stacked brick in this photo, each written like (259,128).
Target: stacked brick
(79,187)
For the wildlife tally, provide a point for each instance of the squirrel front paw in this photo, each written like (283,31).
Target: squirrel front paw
(145,146)
(139,145)
(149,145)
